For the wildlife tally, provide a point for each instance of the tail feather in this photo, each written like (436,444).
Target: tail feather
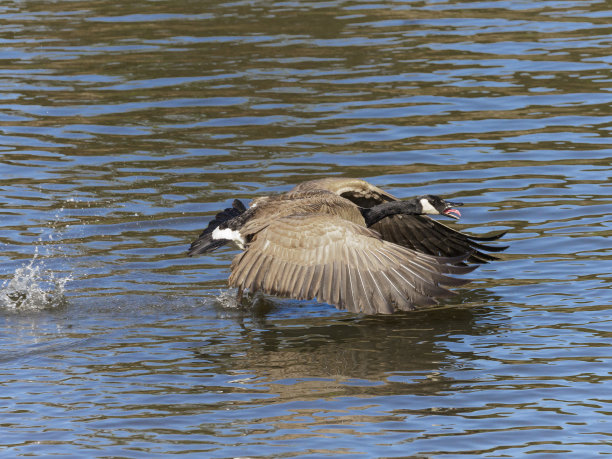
(205,243)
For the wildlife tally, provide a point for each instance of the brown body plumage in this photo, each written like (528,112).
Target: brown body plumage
(314,242)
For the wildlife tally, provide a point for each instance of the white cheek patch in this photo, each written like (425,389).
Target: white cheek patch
(229,234)
(427,207)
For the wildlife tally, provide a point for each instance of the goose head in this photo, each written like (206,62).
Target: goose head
(432,204)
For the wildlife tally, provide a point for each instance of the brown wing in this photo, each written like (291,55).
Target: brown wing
(427,235)
(343,264)
(301,202)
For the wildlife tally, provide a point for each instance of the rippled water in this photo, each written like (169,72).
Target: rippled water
(125,127)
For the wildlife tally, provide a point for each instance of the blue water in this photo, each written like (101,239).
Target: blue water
(125,128)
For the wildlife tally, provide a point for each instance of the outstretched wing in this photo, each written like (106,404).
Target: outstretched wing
(426,235)
(417,232)
(343,264)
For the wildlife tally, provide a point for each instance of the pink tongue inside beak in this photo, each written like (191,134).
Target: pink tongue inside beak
(452,213)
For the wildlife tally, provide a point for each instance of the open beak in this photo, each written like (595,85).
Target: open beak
(451,212)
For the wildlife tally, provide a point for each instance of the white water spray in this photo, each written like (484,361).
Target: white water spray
(34,286)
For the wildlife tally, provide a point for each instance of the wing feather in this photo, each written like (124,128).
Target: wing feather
(417,232)
(426,235)
(304,291)
(341,263)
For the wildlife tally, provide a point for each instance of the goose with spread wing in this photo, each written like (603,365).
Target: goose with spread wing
(418,232)
(347,243)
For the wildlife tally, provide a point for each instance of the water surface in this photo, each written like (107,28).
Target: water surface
(124,128)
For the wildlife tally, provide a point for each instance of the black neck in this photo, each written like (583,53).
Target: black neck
(375,214)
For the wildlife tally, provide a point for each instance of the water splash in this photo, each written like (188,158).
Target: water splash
(227,299)
(33,287)
(228,304)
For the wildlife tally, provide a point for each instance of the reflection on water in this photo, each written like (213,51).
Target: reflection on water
(124,128)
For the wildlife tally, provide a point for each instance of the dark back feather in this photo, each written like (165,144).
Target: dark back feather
(205,243)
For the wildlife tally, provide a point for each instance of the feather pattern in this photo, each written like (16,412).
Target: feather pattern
(426,235)
(353,268)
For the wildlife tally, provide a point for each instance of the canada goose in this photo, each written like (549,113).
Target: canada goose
(346,243)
